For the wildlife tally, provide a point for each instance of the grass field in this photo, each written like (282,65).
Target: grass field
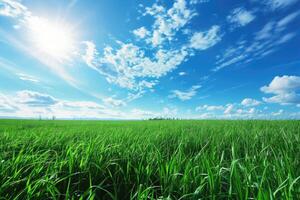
(149,159)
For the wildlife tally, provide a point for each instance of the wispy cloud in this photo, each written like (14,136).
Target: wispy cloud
(278,4)
(185,95)
(12,8)
(263,43)
(205,40)
(26,77)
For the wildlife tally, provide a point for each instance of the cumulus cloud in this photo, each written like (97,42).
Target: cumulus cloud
(238,111)
(125,65)
(284,88)
(185,95)
(141,32)
(240,17)
(168,21)
(137,68)
(250,102)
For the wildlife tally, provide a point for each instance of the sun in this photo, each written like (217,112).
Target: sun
(52,38)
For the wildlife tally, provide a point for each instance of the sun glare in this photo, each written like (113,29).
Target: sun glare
(54,39)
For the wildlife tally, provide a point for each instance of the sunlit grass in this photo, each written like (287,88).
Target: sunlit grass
(149,159)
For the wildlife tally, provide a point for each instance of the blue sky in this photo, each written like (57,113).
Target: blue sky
(135,59)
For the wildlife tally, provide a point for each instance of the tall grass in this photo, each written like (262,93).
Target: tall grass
(149,159)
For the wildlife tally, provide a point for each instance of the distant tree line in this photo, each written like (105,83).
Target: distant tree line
(164,118)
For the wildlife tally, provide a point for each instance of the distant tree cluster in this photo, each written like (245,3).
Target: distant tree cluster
(164,118)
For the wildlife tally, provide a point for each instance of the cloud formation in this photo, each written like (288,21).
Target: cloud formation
(26,77)
(11,8)
(32,98)
(278,4)
(250,102)
(240,17)
(285,90)
(263,43)
(137,68)
(185,95)
(205,40)
(168,21)
(32,104)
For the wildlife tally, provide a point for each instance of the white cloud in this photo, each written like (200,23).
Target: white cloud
(114,102)
(250,102)
(209,108)
(278,113)
(282,84)
(6,104)
(229,109)
(285,90)
(32,98)
(285,38)
(141,32)
(91,54)
(128,66)
(182,73)
(204,40)
(278,4)
(198,1)
(26,77)
(12,8)
(238,111)
(79,105)
(32,104)
(284,99)
(240,17)
(264,42)
(138,68)
(169,112)
(168,21)
(287,19)
(185,95)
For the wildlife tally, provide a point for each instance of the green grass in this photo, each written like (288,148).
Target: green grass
(149,159)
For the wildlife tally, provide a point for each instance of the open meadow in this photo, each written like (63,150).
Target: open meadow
(149,159)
